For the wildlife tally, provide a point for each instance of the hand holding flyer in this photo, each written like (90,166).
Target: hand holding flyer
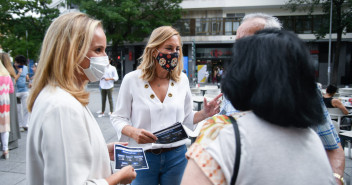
(133,156)
(171,134)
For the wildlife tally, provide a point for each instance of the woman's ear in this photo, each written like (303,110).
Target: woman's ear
(155,53)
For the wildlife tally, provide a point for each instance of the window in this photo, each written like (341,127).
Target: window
(216,24)
(184,27)
(231,26)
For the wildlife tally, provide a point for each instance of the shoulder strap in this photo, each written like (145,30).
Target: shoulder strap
(238,150)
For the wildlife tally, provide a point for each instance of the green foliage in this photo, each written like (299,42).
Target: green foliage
(131,20)
(341,19)
(342,13)
(20,16)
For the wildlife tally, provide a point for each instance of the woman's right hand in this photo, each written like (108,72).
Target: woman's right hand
(142,136)
(123,176)
(127,174)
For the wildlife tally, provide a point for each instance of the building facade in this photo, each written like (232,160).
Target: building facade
(208,29)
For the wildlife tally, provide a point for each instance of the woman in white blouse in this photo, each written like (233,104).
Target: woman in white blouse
(65,144)
(156,96)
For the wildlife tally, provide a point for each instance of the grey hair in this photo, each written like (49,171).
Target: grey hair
(270,21)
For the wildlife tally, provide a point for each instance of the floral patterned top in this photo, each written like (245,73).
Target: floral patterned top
(200,153)
(268,153)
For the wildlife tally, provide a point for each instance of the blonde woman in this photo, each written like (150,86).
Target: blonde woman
(65,144)
(156,96)
(14,134)
(6,87)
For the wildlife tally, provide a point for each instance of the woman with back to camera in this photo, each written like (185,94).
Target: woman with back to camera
(14,134)
(154,97)
(65,144)
(271,81)
(6,87)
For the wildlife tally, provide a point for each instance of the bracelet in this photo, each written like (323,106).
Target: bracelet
(339,177)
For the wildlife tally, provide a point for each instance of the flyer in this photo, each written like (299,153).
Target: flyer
(171,134)
(133,156)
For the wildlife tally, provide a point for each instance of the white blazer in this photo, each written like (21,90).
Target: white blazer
(137,105)
(65,144)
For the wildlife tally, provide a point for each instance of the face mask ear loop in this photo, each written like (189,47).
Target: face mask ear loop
(157,53)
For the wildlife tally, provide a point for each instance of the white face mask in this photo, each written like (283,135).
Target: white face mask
(97,68)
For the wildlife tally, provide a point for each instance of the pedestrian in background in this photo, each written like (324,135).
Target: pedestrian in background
(22,90)
(34,68)
(156,96)
(14,134)
(6,87)
(65,144)
(106,85)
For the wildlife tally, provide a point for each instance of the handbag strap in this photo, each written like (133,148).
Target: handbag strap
(238,150)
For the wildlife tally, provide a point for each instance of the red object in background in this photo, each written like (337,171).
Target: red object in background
(130,55)
(118,57)
(314,51)
(350,100)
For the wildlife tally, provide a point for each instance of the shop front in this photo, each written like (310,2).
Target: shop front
(210,60)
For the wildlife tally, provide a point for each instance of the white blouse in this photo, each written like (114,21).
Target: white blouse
(110,72)
(137,105)
(65,144)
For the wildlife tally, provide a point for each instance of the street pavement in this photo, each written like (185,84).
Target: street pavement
(12,171)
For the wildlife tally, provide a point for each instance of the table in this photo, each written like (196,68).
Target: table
(205,88)
(346,136)
(345,91)
(199,100)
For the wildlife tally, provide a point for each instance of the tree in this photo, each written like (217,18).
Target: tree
(130,20)
(23,24)
(341,19)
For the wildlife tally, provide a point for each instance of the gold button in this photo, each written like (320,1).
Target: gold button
(170,95)
(172,83)
(146,86)
(152,96)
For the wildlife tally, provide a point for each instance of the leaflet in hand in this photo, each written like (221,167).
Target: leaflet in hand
(171,134)
(133,156)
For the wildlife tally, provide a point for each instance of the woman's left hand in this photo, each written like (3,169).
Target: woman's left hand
(111,148)
(213,107)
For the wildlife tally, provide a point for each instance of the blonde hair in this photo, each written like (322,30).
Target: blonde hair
(65,45)
(148,64)
(5,59)
(3,70)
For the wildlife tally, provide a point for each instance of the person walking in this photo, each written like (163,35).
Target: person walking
(22,90)
(107,86)
(65,144)
(14,134)
(156,96)
(6,87)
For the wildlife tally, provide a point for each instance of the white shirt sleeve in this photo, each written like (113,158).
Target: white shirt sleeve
(121,117)
(115,75)
(66,148)
(189,113)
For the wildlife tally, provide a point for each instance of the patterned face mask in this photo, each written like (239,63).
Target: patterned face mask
(167,61)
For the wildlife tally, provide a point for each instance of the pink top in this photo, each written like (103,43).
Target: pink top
(6,87)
